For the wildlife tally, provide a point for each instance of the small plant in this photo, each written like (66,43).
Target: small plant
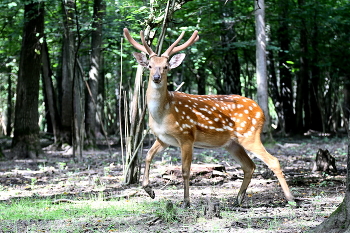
(167,211)
(107,170)
(33,182)
(62,165)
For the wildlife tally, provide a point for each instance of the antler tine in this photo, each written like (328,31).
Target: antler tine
(149,50)
(133,42)
(168,52)
(142,48)
(189,42)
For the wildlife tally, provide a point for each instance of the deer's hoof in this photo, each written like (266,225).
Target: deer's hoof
(149,191)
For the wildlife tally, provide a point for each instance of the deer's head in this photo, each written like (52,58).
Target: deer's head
(159,66)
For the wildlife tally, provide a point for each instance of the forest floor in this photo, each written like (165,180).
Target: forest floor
(96,186)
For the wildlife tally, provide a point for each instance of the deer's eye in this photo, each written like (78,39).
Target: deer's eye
(165,67)
(150,66)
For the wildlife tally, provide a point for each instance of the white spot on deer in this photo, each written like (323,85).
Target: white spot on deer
(254,121)
(237,134)
(240,115)
(258,115)
(179,102)
(244,100)
(255,105)
(246,111)
(229,128)
(210,122)
(216,119)
(243,124)
(230,124)
(219,129)
(250,108)
(252,128)
(186,106)
(176,109)
(239,128)
(211,127)
(247,134)
(239,106)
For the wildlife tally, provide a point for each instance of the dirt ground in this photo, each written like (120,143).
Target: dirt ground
(264,208)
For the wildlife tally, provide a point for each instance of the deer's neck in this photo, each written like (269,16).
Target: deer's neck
(158,100)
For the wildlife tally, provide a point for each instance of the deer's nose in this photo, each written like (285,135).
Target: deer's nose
(157,77)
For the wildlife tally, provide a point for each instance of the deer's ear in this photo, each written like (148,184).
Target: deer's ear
(176,60)
(141,59)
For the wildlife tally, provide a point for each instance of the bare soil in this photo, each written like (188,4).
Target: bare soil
(264,208)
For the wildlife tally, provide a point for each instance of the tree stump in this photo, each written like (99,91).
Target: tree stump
(324,160)
(212,209)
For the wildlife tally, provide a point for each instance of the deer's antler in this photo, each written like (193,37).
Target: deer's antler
(144,48)
(172,49)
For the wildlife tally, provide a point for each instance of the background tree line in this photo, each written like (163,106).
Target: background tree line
(66,70)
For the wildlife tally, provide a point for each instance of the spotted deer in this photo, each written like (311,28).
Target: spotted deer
(206,121)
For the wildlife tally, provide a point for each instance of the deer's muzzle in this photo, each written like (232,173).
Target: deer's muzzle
(157,77)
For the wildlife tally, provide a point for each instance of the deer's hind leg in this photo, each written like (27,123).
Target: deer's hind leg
(272,162)
(248,167)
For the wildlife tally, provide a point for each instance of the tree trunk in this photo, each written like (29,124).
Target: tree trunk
(94,76)
(26,142)
(261,77)
(78,113)
(317,122)
(50,101)
(346,91)
(274,92)
(9,108)
(68,61)
(302,104)
(231,79)
(339,221)
(286,89)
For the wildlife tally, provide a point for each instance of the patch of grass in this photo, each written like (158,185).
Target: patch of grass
(45,209)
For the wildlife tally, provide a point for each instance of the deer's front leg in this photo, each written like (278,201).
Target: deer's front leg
(186,157)
(157,147)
